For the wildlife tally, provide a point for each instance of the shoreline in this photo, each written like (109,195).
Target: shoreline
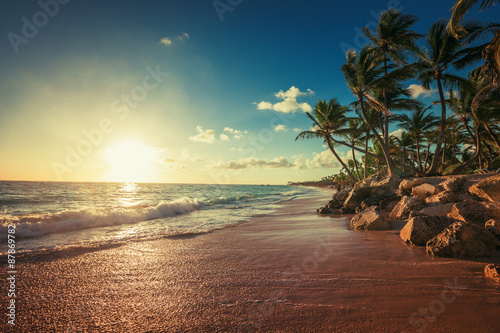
(290,270)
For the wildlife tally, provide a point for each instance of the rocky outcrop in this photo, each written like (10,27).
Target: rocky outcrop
(338,199)
(423,191)
(443,197)
(419,230)
(493,226)
(488,189)
(328,211)
(404,207)
(455,184)
(462,240)
(492,271)
(408,184)
(475,212)
(357,196)
(437,210)
(371,218)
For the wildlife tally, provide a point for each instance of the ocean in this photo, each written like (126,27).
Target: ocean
(54,216)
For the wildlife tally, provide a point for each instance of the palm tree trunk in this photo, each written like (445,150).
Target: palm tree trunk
(355,162)
(419,159)
(330,146)
(404,154)
(366,156)
(385,149)
(435,160)
(463,166)
(495,139)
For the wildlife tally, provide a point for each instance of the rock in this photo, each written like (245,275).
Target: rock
(493,226)
(492,271)
(380,200)
(371,218)
(346,211)
(462,240)
(475,212)
(338,199)
(443,197)
(419,230)
(423,191)
(404,207)
(454,184)
(407,184)
(357,196)
(386,186)
(437,210)
(488,188)
(324,211)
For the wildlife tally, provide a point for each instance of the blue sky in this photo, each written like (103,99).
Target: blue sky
(195,76)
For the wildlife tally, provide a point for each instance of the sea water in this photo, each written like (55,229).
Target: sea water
(52,215)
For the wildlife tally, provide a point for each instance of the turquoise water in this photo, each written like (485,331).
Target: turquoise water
(51,216)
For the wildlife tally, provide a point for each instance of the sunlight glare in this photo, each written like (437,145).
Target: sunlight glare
(130,161)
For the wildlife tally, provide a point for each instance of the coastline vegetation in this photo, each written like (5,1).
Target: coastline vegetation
(460,58)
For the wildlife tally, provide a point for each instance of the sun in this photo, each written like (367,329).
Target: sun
(130,161)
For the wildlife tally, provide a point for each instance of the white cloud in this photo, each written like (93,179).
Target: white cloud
(289,102)
(207,136)
(236,133)
(280,128)
(224,137)
(297,130)
(418,90)
(397,133)
(168,41)
(165,41)
(324,160)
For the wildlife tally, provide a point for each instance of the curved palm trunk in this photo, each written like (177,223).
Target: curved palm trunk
(385,149)
(419,159)
(435,160)
(476,156)
(330,146)
(355,162)
(366,156)
(493,137)
(357,149)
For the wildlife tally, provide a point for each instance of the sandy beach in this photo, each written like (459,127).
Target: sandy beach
(289,271)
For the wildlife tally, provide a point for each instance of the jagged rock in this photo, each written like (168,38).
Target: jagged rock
(492,271)
(386,186)
(357,196)
(404,207)
(338,199)
(437,210)
(443,197)
(493,226)
(371,218)
(462,240)
(346,211)
(419,230)
(475,212)
(324,211)
(455,184)
(407,184)
(488,188)
(423,191)
(382,201)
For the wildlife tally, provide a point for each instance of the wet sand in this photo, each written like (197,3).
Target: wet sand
(289,271)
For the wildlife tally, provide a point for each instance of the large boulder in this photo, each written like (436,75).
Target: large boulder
(338,199)
(371,218)
(407,184)
(443,197)
(492,271)
(386,186)
(462,240)
(419,230)
(475,212)
(423,191)
(328,211)
(437,210)
(454,184)
(488,188)
(404,207)
(357,196)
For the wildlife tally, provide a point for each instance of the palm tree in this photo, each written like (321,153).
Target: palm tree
(364,75)
(328,119)
(406,141)
(441,51)
(354,135)
(391,38)
(417,124)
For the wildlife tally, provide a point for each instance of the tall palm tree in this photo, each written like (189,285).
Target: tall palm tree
(364,75)
(354,135)
(329,119)
(391,39)
(417,124)
(440,52)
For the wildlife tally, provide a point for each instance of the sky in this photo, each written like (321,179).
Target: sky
(178,91)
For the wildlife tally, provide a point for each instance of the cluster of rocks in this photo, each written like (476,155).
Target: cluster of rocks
(456,216)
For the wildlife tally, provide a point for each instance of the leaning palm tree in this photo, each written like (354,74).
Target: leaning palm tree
(364,75)
(329,119)
(354,134)
(418,123)
(440,52)
(391,39)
